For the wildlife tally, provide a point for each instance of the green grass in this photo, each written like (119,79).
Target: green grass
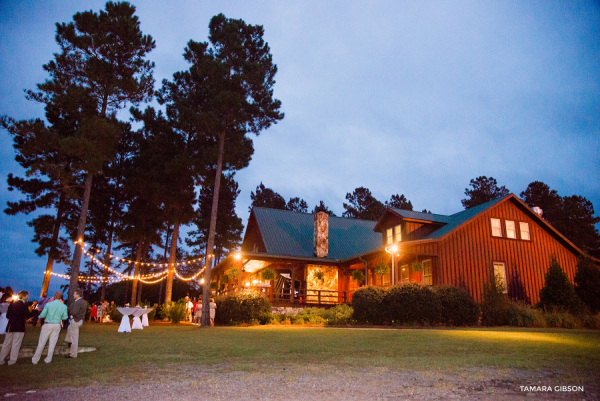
(161,349)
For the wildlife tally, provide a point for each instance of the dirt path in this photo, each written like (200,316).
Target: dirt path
(295,382)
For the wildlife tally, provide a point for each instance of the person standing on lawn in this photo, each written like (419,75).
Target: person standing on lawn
(77,311)
(39,308)
(17,314)
(213,309)
(54,312)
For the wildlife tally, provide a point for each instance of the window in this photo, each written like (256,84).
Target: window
(500,274)
(511,232)
(390,236)
(398,233)
(496,228)
(524,231)
(427,278)
(404,274)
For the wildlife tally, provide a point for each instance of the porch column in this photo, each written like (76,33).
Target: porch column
(292,282)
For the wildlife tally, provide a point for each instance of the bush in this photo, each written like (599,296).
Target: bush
(241,308)
(412,303)
(161,312)
(587,283)
(494,309)
(339,315)
(562,320)
(115,315)
(176,311)
(458,306)
(367,303)
(521,315)
(592,321)
(558,294)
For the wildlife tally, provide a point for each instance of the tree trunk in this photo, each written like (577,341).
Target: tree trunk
(90,274)
(162,283)
(135,274)
(211,237)
(172,258)
(73,282)
(107,260)
(143,270)
(55,234)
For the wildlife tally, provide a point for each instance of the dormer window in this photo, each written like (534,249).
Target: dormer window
(398,230)
(389,236)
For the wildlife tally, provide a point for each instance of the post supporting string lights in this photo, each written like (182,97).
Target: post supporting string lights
(144,278)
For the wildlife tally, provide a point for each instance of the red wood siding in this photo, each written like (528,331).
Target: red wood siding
(413,230)
(467,255)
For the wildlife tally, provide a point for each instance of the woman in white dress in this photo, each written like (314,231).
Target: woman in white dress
(213,309)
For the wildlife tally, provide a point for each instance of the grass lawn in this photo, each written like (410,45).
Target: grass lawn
(120,357)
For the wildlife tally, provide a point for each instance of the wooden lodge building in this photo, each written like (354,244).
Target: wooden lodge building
(316,254)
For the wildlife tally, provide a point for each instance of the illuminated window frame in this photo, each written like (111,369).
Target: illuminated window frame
(398,230)
(389,236)
(525,234)
(511,229)
(404,274)
(427,272)
(500,273)
(496,227)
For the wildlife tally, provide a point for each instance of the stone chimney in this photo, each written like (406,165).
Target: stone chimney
(321,234)
(538,210)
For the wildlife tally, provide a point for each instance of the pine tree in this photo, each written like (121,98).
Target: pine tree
(483,189)
(362,205)
(558,292)
(587,282)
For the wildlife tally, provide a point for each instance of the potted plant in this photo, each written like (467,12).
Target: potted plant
(267,274)
(382,269)
(417,266)
(319,274)
(358,276)
(232,274)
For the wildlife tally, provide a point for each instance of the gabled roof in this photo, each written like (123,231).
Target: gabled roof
(289,233)
(457,219)
(409,214)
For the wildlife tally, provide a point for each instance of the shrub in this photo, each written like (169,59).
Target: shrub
(592,321)
(339,315)
(521,315)
(412,303)
(458,306)
(161,312)
(242,308)
(175,311)
(562,320)
(115,315)
(558,294)
(367,303)
(587,283)
(494,309)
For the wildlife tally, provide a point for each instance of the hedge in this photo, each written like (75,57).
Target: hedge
(242,308)
(367,303)
(458,306)
(412,303)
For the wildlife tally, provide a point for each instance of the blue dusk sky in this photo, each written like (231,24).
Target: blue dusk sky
(414,98)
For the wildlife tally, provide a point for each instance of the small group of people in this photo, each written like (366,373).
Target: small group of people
(194,310)
(100,310)
(53,315)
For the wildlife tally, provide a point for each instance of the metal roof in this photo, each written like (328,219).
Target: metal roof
(459,218)
(289,233)
(409,214)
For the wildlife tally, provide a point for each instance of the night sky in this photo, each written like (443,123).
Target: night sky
(413,98)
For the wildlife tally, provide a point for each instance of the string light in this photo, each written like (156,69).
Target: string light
(143,278)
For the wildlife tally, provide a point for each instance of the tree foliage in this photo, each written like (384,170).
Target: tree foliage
(362,205)
(266,197)
(483,189)
(573,216)
(587,282)
(321,207)
(558,292)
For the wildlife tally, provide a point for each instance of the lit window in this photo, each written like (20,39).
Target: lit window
(496,229)
(398,233)
(404,273)
(390,236)
(500,274)
(511,232)
(427,279)
(524,231)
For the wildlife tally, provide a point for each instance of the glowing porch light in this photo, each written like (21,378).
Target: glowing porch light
(237,256)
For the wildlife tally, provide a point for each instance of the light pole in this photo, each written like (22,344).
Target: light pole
(392,249)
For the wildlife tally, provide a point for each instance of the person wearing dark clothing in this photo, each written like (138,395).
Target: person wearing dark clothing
(17,314)
(77,311)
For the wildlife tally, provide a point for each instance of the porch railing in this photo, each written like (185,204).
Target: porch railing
(306,297)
